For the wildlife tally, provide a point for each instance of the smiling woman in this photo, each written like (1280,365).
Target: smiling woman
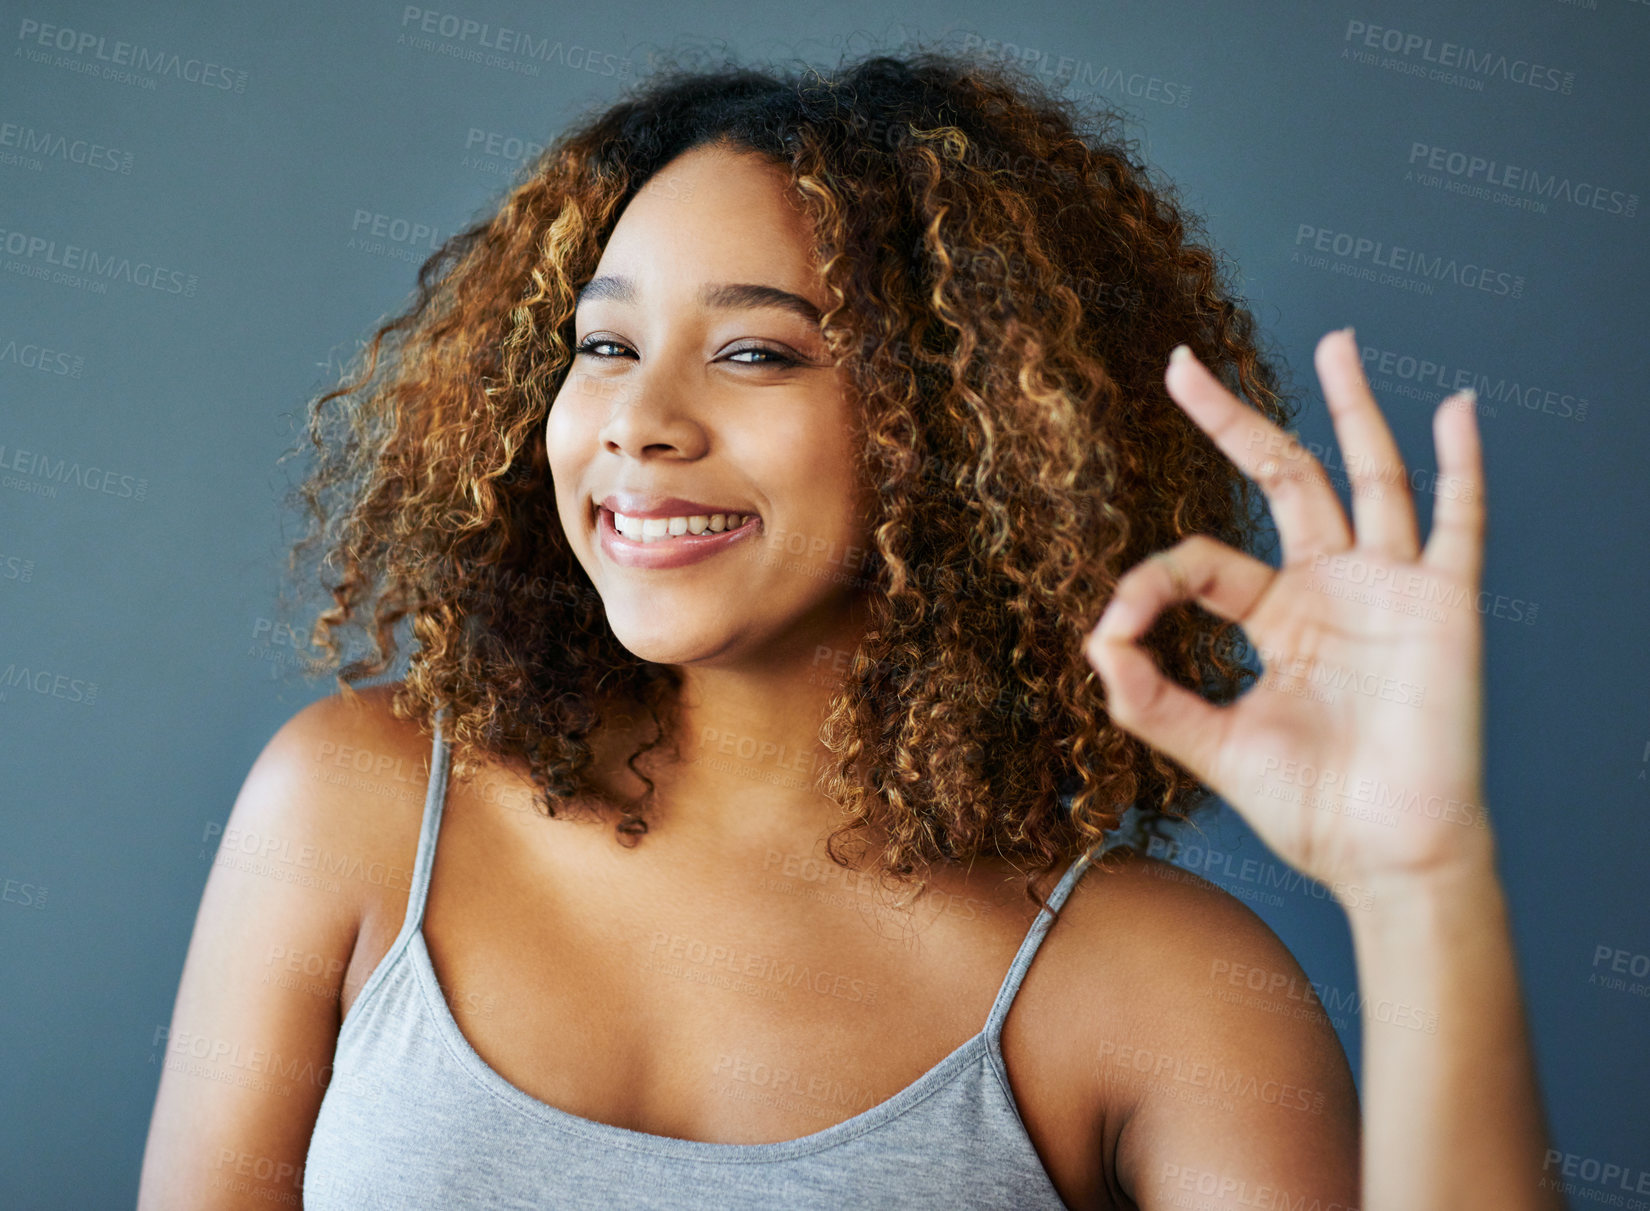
(701,374)
(861,308)
(753,481)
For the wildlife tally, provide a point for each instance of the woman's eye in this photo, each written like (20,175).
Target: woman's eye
(773,357)
(591,345)
(754,355)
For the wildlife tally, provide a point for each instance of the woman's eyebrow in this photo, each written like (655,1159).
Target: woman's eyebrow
(745,294)
(622,289)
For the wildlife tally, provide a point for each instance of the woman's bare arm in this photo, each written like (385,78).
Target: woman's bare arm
(1236,1090)
(1454,1114)
(1379,784)
(248,1054)
(1241,1096)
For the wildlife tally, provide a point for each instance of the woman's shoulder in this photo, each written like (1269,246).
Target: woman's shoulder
(1162,954)
(1134,1047)
(1167,903)
(339,789)
(348,747)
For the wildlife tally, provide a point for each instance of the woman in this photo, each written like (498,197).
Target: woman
(752,481)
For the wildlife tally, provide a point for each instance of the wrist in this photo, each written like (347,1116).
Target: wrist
(1435,902)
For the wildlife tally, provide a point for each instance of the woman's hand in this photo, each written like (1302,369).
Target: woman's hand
(1358,757)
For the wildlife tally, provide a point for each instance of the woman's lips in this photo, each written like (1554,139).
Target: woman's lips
(671,552)
(641,504)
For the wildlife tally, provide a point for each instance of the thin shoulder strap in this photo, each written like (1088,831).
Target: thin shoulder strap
(1034,939)
(434,799)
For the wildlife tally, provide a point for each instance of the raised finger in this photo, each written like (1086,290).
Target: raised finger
(1383,513)
(1304,505)
(1456,543)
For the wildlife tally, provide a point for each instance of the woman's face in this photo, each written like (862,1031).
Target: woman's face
(702,390)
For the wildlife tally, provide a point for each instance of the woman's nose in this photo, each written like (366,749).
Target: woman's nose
(648,416)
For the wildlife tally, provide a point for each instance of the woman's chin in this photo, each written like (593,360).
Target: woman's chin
(666,641)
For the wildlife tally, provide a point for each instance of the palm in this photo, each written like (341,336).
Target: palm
(1362,712)
(1359,751)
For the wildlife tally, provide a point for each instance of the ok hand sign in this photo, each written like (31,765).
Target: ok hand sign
(1360,753)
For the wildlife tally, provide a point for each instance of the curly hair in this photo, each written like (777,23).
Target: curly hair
(1006,281)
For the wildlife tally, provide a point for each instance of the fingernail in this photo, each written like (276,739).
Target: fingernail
(1179,353)
(1351,333)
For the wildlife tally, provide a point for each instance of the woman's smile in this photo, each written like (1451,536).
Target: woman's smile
(662,539)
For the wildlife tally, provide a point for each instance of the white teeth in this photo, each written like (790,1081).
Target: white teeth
(659,529)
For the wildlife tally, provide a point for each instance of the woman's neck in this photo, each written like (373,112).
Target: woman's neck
(747,751)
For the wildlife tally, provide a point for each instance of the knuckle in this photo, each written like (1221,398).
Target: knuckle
(1287,468)
(1197,544)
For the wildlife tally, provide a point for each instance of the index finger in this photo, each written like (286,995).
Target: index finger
(1304,505)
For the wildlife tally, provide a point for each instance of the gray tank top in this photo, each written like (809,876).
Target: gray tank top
(414,1118)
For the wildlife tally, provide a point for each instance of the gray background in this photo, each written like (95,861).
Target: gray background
(154,579)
